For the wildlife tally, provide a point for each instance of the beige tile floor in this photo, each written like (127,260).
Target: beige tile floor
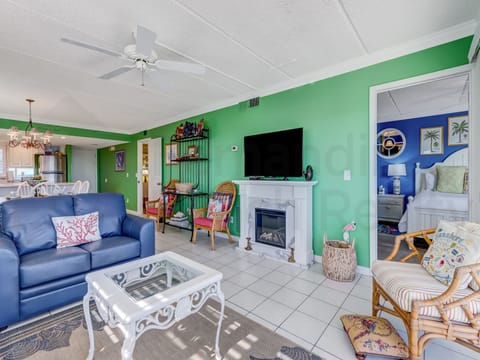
(301,305)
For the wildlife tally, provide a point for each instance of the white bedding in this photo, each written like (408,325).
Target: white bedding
(437,201)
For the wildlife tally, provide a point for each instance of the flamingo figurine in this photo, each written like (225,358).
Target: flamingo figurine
(347,229)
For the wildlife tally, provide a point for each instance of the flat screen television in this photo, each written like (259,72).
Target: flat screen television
(275,154)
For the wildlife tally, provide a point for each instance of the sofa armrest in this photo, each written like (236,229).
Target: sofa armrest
(10,289)
(143,230)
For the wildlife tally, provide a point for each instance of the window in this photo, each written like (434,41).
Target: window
(22,173)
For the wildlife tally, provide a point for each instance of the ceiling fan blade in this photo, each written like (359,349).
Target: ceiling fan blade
(180,66)
(145,40)
(92,47)
(116,72)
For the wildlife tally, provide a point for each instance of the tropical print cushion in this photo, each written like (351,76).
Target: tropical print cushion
(374,336)
(453,245)
(451,179)
(76,230)
(214,206)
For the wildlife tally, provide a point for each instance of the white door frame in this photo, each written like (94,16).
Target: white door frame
(374,91)
(139,175)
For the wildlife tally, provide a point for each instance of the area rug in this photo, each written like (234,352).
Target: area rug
(64,336)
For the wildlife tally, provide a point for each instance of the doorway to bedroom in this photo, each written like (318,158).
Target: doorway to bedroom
(421,132)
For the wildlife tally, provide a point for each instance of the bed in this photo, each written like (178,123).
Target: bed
(428,206)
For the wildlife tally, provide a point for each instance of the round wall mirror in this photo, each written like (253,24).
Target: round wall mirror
(390,143)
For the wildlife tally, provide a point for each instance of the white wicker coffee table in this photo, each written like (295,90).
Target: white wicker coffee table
(150,293)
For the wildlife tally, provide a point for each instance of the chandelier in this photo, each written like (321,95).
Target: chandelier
(32,138)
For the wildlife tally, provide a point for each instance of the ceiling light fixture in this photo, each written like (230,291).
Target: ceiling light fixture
(32,137)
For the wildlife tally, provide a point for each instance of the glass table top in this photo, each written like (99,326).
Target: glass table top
(149,279)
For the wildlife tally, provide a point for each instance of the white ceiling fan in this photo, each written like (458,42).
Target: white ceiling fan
(141,56)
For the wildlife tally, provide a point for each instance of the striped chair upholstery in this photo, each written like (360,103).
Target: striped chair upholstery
(405,282)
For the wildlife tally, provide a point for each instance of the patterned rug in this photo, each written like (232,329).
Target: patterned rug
(64,336)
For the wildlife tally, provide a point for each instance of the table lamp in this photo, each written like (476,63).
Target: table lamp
(396,170)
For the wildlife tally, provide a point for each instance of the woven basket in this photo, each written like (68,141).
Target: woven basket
(339,260)
(184,188)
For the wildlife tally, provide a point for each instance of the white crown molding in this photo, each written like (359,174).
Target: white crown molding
(438,38)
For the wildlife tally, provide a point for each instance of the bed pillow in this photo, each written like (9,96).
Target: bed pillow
(453,245)
(450,179)
(76,230)
(430,180)
(465,182)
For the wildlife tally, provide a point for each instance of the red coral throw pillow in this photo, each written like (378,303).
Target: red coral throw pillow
(76,230)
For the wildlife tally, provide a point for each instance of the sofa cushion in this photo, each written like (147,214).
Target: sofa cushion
(76,230)
(52,264)
(112,250)
(405,282)
(28,221)
(111,209)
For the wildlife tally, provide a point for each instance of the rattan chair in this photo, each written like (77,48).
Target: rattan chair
(155,208)
(218,221)
(428,309)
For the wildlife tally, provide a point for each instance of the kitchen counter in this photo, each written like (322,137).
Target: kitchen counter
(7,187)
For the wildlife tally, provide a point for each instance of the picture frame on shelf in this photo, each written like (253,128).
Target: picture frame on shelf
(431,140)
(120,160)
(192,151)
(458,127)
(171,153)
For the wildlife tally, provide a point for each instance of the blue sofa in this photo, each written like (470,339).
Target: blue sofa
(36,276)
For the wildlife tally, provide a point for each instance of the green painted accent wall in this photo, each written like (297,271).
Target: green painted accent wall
(123,182)
(335,116)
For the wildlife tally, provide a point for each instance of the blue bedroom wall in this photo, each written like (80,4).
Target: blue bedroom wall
(411,155)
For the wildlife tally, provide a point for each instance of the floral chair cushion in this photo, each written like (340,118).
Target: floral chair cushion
(219,202)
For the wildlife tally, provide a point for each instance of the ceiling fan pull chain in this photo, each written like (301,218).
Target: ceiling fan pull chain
(143,72)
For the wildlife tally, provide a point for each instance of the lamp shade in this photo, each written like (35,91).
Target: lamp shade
(397,170)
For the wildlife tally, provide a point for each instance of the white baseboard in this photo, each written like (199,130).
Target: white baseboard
(362,270)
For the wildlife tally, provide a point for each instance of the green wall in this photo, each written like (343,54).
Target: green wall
(335,116)
(124,182)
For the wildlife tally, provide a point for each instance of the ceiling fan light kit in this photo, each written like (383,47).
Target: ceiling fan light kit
(141,55)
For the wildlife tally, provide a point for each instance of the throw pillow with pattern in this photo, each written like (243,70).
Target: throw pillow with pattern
(452,246)
(76,230)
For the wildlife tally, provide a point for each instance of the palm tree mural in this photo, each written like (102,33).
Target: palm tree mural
(433,136)
(460,129)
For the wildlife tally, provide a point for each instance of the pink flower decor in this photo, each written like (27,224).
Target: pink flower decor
(76,230)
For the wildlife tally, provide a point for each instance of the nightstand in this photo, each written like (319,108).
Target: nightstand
(390,207)
(389,211)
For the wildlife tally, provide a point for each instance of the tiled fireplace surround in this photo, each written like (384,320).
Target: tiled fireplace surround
(293,197)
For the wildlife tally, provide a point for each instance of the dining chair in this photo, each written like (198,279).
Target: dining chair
(85,187)
(77,185)
(24,190)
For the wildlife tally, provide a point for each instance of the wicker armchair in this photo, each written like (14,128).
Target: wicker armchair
(155,208)
(213,221)
(428,308)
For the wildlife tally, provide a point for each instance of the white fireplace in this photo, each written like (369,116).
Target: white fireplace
(289,199)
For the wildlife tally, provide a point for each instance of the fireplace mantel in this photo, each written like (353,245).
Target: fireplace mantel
(296,195)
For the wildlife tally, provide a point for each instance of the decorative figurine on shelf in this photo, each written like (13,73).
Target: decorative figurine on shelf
(189,129)
(347,229)
(179,131)
(200,127)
